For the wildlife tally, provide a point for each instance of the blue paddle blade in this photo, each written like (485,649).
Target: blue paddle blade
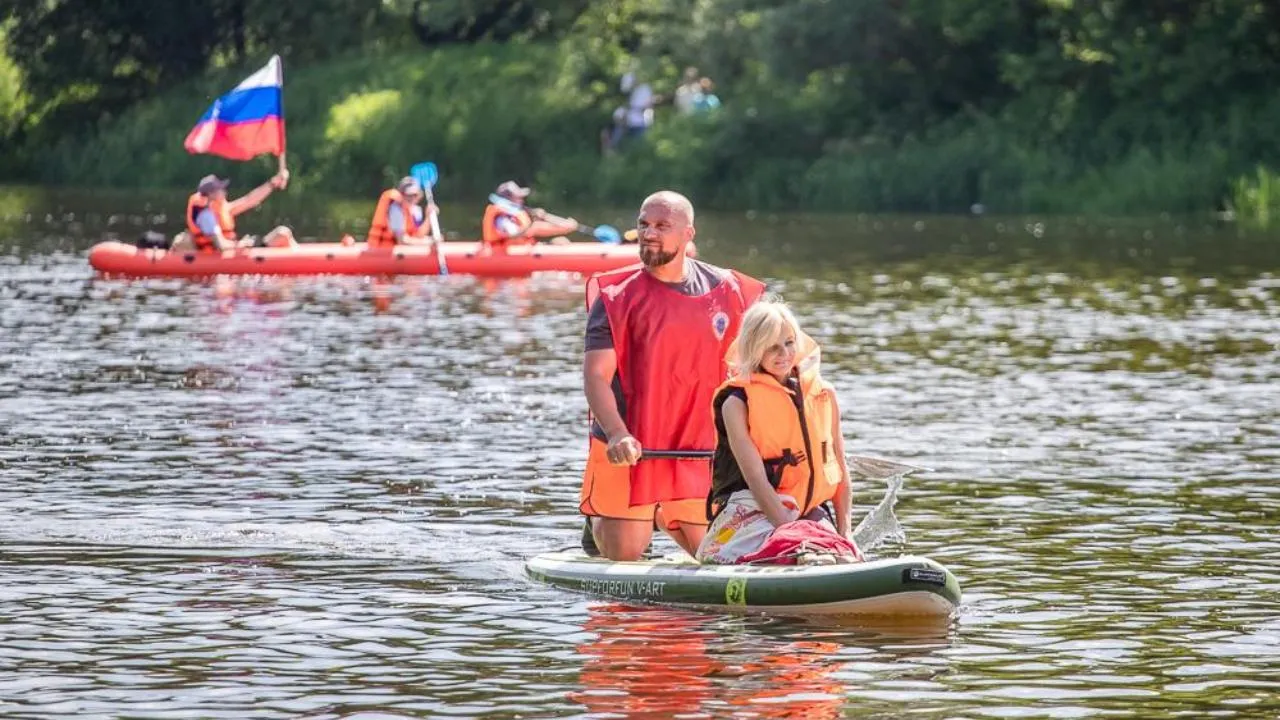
(426,173)
(607,234)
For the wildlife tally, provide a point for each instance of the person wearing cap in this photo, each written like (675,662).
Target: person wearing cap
(399,218)
(511,223)
(211,218)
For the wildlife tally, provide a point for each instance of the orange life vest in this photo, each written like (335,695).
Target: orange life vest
(792,433)
(380,234)
(221,210)
(495,238)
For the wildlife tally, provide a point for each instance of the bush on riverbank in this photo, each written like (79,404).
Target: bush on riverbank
(1255,199)
(355,125)
(935,106)
(12,109)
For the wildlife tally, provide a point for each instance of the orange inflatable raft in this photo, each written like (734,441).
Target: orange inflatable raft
(462,258)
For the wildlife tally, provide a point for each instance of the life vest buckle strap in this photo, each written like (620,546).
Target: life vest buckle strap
(773,466)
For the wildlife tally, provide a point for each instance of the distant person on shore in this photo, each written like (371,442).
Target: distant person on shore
(399,218)
(617,127)
(686,94)
(705,99)
(638,116)
(211,218)
(508,222)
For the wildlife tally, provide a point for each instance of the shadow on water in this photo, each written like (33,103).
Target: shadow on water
(313,496)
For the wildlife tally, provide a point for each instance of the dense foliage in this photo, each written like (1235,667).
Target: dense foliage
(1105,106)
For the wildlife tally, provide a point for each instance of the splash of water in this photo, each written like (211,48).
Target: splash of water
(881,524)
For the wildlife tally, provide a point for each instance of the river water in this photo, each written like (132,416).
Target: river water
(312,497)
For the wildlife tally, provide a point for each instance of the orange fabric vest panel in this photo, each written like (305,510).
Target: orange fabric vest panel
(493,237)
(380,234)
(221,210)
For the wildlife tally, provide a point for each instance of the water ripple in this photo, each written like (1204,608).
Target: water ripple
(312,497)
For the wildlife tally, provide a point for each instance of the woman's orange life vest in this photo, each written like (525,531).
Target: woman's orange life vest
(792,429)
(670,349)
(495,238)
(380,234)
(221,210)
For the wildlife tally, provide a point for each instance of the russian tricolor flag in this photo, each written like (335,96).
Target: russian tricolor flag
(246,122)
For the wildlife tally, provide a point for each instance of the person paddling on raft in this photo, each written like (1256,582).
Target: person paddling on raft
(399,218)
(211,218)
(511,223)
(656,339)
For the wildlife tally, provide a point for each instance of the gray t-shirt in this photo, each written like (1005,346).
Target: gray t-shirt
(699,279)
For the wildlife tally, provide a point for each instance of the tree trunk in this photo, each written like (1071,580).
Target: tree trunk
(237,29)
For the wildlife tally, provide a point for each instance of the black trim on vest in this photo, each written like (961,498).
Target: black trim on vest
(793,383)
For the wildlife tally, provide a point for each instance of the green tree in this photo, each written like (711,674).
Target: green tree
(83,59)
(86,60)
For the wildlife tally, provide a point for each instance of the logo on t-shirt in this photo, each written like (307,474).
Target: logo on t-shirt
(720,323)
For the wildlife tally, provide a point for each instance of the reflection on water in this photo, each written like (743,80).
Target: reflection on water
(312,496)
(661,663)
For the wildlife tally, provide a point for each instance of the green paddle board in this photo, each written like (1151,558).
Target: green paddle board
(902,586)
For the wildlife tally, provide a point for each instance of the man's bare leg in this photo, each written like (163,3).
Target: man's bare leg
(621,539)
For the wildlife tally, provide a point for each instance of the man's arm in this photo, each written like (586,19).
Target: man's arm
(254,197)
(598,369)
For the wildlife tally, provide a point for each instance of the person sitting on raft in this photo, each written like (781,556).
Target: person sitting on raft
(399,218)
(211,218)
(511,223)
(779,454)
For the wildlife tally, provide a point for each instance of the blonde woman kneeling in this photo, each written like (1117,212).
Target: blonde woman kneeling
(779,454)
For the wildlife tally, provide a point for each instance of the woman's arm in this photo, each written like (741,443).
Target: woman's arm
(734,412)
(844,493)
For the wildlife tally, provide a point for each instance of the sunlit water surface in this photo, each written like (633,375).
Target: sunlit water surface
(260,497)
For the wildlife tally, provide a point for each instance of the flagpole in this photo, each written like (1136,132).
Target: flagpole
(282,165)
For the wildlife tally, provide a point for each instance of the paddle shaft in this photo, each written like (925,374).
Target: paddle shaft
(435,232)
(584,229)
(676,455)
(869,467)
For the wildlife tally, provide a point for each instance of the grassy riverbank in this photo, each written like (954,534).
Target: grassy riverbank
(533,112)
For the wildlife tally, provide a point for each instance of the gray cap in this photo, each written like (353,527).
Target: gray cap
(409,186)
(210,184)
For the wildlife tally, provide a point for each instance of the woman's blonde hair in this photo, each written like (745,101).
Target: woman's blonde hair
(763,325)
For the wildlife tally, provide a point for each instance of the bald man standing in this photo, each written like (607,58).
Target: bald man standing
(656,340)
